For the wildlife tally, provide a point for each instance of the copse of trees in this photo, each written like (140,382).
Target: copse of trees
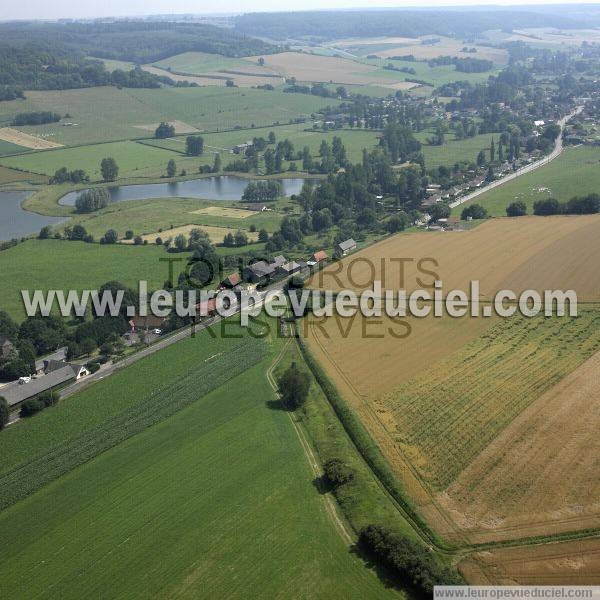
(194,145)
(64,176)
(262,191)
(92,200)
(578,205)
(516,209)
(337,473)
(408,562)
(35,118)
(475,211)
(164,130)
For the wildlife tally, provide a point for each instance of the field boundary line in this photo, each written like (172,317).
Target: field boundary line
(331,505)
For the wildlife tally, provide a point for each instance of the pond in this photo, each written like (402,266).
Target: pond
(227,188)
(16,222)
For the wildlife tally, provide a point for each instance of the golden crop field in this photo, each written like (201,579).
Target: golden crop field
(460,405)
(216,234)
(527,253)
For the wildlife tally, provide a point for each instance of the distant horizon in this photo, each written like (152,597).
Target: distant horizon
(136,9)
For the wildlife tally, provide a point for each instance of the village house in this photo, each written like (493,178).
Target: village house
(231,281)
(288,268)
(317,257)
(56,373)
(258,271)
(146,323)
(345,247)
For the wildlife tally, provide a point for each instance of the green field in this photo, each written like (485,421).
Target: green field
(214,501)
(575,172)
(57,264)
(453,151)
(134,160)
(109,114)
(198,63)
(434,76)
(447,416)
(148,216)
(8,148)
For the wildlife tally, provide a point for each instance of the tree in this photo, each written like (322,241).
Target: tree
(109,169)
(45,232)
(217,164)
(439,211)
(4,412)
(475,211)
(271,137)
(293,386)
(549,206)
(171,168)
(229,240)
(263,235)
(516,209)
(164,130)
(481,158)
(87,346)
(492,151)
(180,243)
(31,407)
(336,473)
(138,240)
(261,61)
(241,239)
(110,237)
(489,176)
(397,223)
(129,234)
(194,145)
(229,83)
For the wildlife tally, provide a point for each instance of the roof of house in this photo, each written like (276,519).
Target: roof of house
(347,244)
(60,354)
(319,256)
(279,260)
(149,321)
(232,279)
(16,392)
(257,206)
(206,307)
(290,267)
(262,268)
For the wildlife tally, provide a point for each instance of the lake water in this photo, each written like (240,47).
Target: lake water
(227,188)
(16,222)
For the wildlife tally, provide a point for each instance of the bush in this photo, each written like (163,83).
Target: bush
(516,209)
(164,130)
(550,206)
(110,237)
(92,367)
(31,407)
(49,398)
(475,211)
(293,386)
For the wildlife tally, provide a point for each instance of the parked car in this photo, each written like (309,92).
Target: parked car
(25,379)
(157,331)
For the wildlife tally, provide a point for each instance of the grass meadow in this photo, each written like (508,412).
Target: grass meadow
(58,264)
(575,172)
(453,151)
(215,500)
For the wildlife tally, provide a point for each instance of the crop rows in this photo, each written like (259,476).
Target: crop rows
(153,408)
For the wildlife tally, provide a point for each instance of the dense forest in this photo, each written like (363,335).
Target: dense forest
(136,41)
(395,22)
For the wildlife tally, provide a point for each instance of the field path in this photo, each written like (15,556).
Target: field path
(558,148)
(330,504)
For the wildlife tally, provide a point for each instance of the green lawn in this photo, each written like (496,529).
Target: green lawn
(8,148)
(57,264)
(575,172)
(214,501)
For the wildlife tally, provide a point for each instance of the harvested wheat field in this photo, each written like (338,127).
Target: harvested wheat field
(518,254)
(14,136)
(216,234)
(488,422)
(563,563)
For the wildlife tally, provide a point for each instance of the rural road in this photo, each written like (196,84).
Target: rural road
(109,369)
(558,148)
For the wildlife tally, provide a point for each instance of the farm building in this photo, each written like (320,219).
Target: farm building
(345,247)
(259,271)
(59,355)
(56,373)
(288,268)
(241,148)
(146,323)
(256,206)
(318,257)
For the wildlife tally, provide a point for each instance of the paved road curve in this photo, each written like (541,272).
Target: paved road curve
(558,148)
